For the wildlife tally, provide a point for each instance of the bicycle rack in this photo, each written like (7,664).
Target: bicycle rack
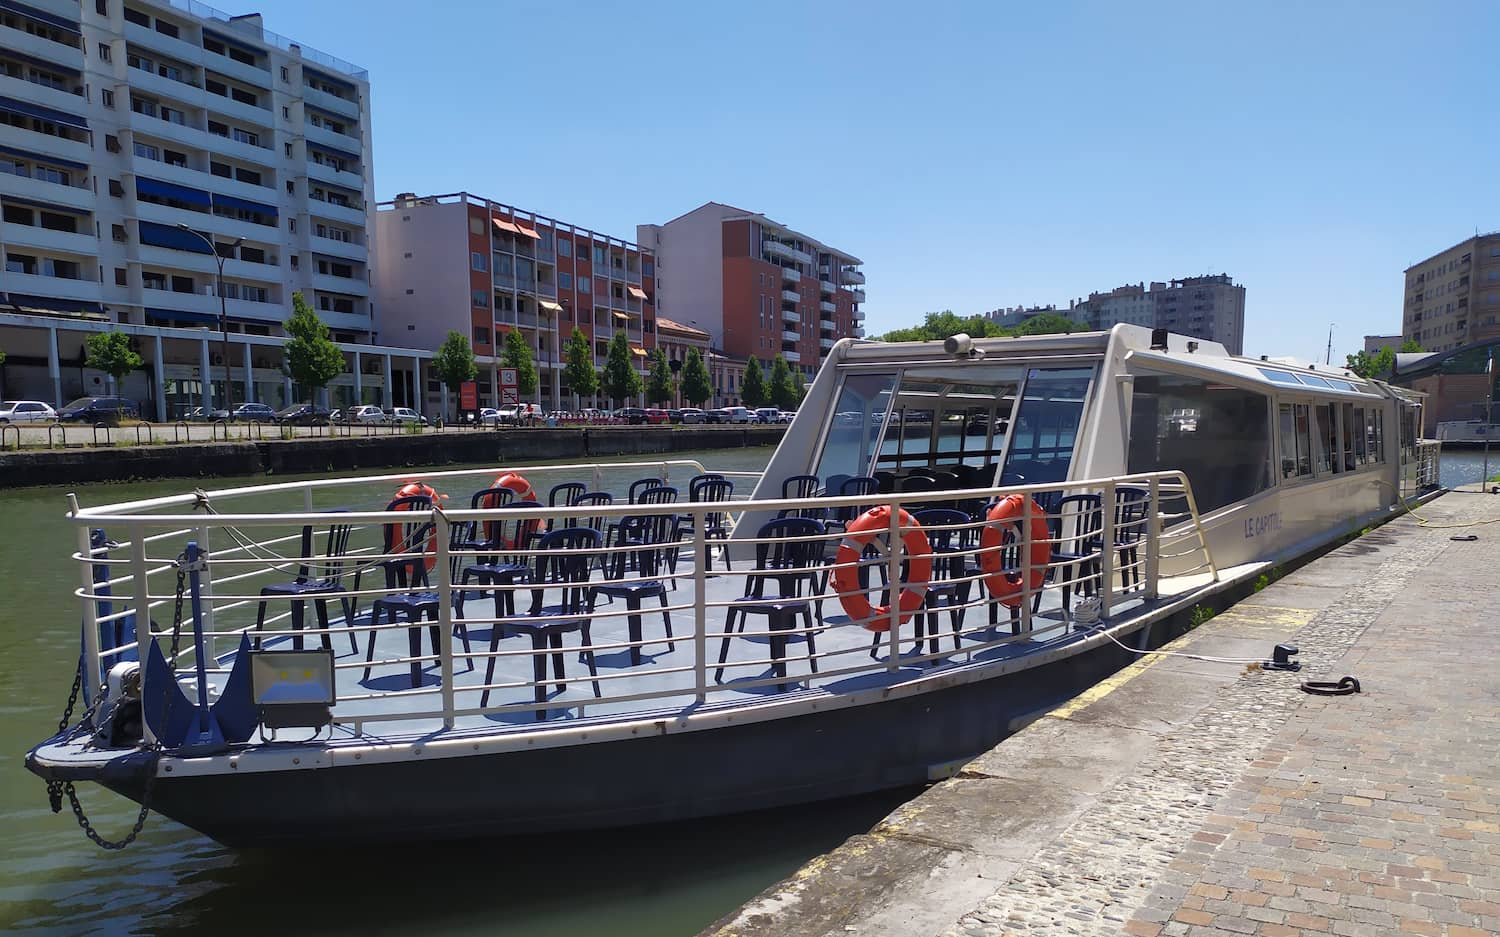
(214,430)
(59,428)
(107,440)
(143,425)
(7,427)
(180,427)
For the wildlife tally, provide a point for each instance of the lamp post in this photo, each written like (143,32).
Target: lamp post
(213,248)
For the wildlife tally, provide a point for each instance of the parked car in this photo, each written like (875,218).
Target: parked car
(486,416)
(404,415)
(657,415)
(631,415)
(737,415)
(674,415)
(788,416)
(692,415)
(26,411)
(253,413)
(365,413)
(206,415)
(303,414)
(713,416)
(518,413)
(98,410)
(767,415)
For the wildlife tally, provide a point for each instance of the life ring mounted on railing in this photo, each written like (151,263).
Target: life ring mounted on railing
(393,531)
(1007,514)
(517,482)
(853,596)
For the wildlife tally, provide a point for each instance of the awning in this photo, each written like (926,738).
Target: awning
(161,235)
(528,231)
(182,315)
(622,316)
(42,113)
(47,304)
(52,160)
(638,351)
(505,226)
(549,306)
(636,291)
(229,201)
(181,193)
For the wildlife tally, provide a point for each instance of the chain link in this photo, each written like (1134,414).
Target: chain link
(56,789)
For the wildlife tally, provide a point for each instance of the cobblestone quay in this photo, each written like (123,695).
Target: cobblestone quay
(1190,798)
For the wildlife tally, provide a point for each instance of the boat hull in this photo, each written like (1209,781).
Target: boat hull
(776,762)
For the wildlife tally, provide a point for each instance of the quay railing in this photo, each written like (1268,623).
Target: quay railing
(789,595)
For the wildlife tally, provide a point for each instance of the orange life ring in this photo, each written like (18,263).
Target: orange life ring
(1006,586)
(853,597)
(416,490)
(517,482)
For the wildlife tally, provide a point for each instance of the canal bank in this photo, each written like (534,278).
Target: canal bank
(308,455)
(1187,797)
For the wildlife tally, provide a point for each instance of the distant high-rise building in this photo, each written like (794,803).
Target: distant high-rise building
(756,286)
(1207,307)
(1010,317)
(1453,297)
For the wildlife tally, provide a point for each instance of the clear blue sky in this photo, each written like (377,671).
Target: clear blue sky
(974,155)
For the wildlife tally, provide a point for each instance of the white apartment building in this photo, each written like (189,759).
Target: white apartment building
(1209,307)
(135,132)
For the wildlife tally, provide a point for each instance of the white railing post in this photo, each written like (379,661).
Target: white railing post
(1106,549)
(445,615)
(1153,539)
(90,678)
(893,589)
(700,602)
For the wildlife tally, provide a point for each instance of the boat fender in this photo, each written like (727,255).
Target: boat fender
(853,596)
(416,490)
(1005,585)
(1344,687)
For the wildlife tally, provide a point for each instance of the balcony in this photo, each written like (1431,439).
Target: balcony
(45,49)
(791,357)
(548,290)
(791,296)
(791,275)
(857,295)
(851,275)
(858,331)
(827,306)
(50,193)
(776,248)
(349,286)
(31,284)
(334,212)
(184,134)
(48,145)
(827,325)
(249,74)
(826,286)
(161,86)
(505,282)
(788,335)
(633,276)
(40,94)
(327,137)
(859,315)
(326,101)
(334,247)
(788,315)
(229,228)
(825,343)
(161,42)
(339,177)
(197,179)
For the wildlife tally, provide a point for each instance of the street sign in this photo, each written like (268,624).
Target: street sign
(508,377)
(468,396)
(509,395)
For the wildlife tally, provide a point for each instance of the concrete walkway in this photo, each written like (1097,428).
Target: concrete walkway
(1186,797)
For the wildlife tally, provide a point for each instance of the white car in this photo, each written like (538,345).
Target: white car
(487,416)
(404,415)
(736,415)
(516,413)
(365,413)
(26,411)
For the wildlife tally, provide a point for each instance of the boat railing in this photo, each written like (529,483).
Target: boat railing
(1429,459)
(806,607)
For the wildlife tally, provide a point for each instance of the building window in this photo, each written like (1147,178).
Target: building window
(481,335)
(288,148)
(104,52)
(481,299)
(564,280)
(564,247)
(106,97)
(476,226)
(479,262)
(285,74)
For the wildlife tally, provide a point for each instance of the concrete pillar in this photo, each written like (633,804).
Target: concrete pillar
(445,414)
(388,397)
(205,376)
(495,383)
(418,389)
(54,368)
(286,384)
(249,376)
(359,380)
(160,360)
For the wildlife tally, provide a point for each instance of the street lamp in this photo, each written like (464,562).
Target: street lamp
(213,248)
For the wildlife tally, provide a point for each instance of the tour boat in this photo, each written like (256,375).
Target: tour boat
(951,538)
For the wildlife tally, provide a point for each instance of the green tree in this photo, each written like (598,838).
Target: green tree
(110,352)
(1048,323)
(780,390)
(312,359)
(578,367)
(454,363)
(1410,347)
(1364,364)
(697,387)
(517,354)
(939,325)
(621,382)
(659,382)
(753,387)
(799,386)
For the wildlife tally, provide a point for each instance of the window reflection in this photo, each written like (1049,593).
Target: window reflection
(1046,426)
(857,418)
(1218,436)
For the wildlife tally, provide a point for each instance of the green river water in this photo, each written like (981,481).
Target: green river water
(661,881)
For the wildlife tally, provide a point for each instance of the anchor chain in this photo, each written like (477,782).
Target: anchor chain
(57,789)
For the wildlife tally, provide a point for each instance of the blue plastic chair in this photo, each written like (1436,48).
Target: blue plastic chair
(642,552)
(794,566)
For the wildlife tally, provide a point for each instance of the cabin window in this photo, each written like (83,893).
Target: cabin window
(1375,433)
(1216,435)
(1296,444)
(1326,438)
(1046,425)
(950,425)
(849,446)
(1361,439)
(1346,436)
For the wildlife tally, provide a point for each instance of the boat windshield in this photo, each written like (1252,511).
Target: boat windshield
(1046,428)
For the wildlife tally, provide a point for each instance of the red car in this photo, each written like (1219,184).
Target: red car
(655,415)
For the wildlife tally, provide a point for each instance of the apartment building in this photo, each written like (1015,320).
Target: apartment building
(1208,307)
(143,137)
(484,268)
(758,287)
(1453,297)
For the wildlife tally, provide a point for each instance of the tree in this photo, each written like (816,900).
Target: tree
(939,325)
(799,386)
(753,387)
(312,359)
(696,384)
(1367,365)
(1410,347)
(454,363)
(621,382)
(780,391)
(517,354)
(578,367)
(1048,323)
(659,383)
(110,352)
